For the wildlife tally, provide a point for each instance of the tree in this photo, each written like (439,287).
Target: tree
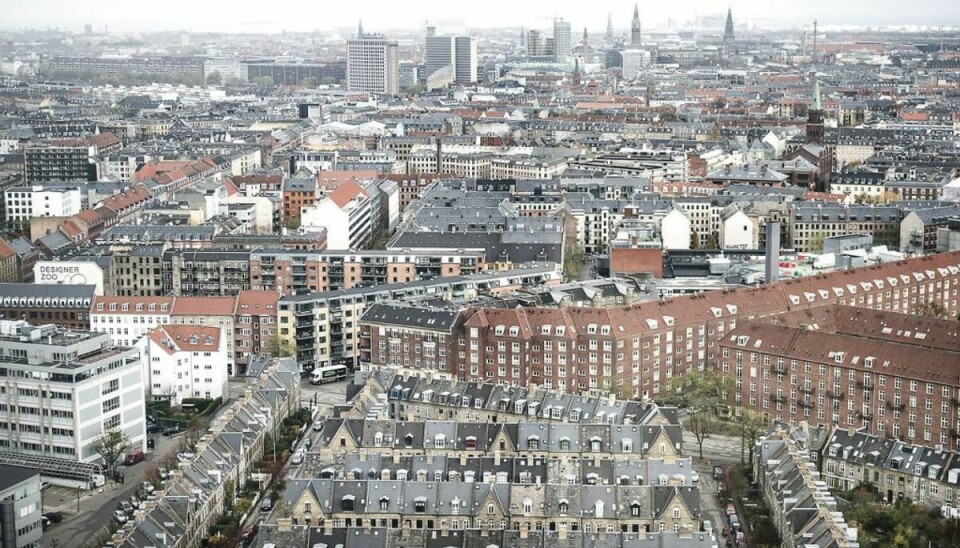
(111,445)
(277,346)
(694,239)
(702,393)
(215,78)
(816,242)
(752,425)
(932,309)
(310,82)
(573,259)
(291,223)
(414,89)
(712,242)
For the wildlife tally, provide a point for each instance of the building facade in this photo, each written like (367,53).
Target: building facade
(372,65)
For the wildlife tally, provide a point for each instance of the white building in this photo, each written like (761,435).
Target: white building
(187,361)
(466,60)
(737,230)
(128,319)
(346,214)
(22,203)
(372,65)
(675,230)
(562,40)
(69,273)
(62,389)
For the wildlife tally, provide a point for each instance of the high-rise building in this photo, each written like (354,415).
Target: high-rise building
(609,26)
(561,40)
(459,52)
(466,60)
(439,52)
(372,64)
(635,27)
(536,44)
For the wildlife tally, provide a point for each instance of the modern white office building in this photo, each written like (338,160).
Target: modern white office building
(60,390)
(562,40)
(372,64)
(465,68)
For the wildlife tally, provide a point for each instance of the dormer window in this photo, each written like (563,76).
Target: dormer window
(439,441)
(498,330)
(565,444)
(384,503)
(470,442)
(346,503)
(564,507)
(635,509)
(533,442)
(408,440)
(514,331)
(420,505)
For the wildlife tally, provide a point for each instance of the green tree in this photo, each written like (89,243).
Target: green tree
(277,346)
(310,82)
(816,242)
(111,445)
(694,239)
(215,78)
(414,89)
(702,393)
(932,309)
(264,81)
(712,242)
(573,260)
(291,223)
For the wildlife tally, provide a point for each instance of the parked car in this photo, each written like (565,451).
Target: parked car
(731,509)
(266,505)
(170,430)
(120,516)
(133,458)
(148,487)
(135,501)
(183,457)
(694,477)
(707,526)
(297,458)
(153,428)
(54,517)
(164,473)
(126,507)
(317,426)
(717,471)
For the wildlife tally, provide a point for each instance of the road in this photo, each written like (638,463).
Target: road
(716,448)
(96,507)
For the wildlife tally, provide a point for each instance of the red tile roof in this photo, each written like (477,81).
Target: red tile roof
(257,303)
(187,338)
(346,192)
(204,306)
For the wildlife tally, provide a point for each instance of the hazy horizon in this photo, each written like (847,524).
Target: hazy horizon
(297,16)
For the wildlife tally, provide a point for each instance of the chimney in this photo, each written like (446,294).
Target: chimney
(772,264)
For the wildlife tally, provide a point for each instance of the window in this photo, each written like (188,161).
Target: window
(564,507)
(384,503)
(676,512)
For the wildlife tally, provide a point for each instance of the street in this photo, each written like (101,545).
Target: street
(96,507)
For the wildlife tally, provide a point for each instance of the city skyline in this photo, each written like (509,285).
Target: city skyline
(216,17)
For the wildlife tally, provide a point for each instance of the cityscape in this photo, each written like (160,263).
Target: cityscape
(618,275)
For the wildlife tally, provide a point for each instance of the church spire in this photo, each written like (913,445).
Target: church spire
(728,35)
(635,27)
(609,26)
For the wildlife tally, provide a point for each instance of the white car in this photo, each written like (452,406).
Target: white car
(694,477)
(148,487)
(317,426)
(297,458)
(120,516)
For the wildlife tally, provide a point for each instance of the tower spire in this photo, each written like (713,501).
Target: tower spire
(360,29)
(609,26)
(728,35)
(635,26)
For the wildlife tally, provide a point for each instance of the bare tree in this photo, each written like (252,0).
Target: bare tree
(111,445)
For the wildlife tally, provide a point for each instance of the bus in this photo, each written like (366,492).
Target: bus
(332,373)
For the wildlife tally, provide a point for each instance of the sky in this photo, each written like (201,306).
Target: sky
(382,15)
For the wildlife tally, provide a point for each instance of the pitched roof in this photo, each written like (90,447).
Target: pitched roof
(204,306)
(186,338)
(345,193)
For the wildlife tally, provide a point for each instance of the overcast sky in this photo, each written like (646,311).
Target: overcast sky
(378,15)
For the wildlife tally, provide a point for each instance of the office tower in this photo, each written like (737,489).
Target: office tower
(465,66)
(609,26)
(372,64)
(635,27)
(536,44)
(561,40)
(439,52)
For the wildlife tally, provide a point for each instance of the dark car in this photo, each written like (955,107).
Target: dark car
(248,534)
(153,428)
(54,517)
(133,458)
(170,430)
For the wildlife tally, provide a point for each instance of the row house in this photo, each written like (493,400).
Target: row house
(528,440)
(635,350)
(284,533)
(194,497)
(455,506)
(802,508)
(899,470)
(892,374)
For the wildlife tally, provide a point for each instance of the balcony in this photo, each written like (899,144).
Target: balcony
(836,395)
(955,402)
(807,404)
(896,406)
(866,385)
(778,398)
(807,389)
(865,416)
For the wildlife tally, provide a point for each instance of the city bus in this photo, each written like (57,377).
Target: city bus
(331,373)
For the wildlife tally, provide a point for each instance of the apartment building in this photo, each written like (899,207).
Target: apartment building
(887,372)
(24,203)
(291,272)
(325,327)
(186,361)
(67,159)
(129,319)
(255,324)
(20,507)
(63,305)
(297,194)
(210,312)
(62,389)
(350,215)
(635,350)
(203,273)
(136,270)
(527,168)
(809,223)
